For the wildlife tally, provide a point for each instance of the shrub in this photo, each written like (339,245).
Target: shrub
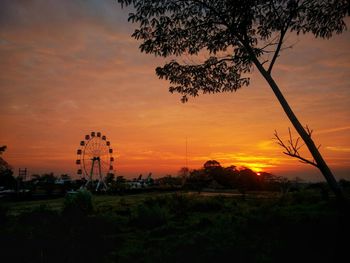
(3,213)
(150,216)
(179,204)
(39,217)
(79,203)
(157,200)
(211,204)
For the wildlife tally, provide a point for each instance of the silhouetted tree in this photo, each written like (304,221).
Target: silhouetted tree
(226,177)
(213,169)
(7,179)
(197,180)
(169,181)
(211,164)
(48,178)
(2,149)
(247,180)
(183,173)
(268,181)
(236,35)
(47,182)
(3,164)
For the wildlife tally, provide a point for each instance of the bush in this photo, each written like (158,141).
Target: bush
(179,205)
(40,218)
(79,203)
(3,213)
(211,204)
(150,216)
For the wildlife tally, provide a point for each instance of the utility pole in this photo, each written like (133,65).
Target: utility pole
(186,154)
(22,176)
(22,173)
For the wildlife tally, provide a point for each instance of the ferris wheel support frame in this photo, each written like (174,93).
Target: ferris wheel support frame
(100,182)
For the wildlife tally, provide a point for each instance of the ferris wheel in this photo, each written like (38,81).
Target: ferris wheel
(95,160)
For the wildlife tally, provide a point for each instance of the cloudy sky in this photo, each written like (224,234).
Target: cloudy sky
(70,67)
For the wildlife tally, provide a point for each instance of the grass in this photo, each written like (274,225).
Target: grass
(101,202)
(177,227)
(17,208)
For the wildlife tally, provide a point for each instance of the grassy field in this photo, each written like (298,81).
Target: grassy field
(104,202)
(176,227)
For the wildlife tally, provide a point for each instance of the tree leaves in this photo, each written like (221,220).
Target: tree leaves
(212,76)
(245,30)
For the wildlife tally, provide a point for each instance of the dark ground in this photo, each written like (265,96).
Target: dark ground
(176,227)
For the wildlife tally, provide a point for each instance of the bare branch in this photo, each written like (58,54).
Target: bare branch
(309,132)
(265,61)
(292,148)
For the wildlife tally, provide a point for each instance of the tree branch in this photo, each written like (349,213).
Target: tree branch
(279,45)
(224,22)
(293,147)
(284,29)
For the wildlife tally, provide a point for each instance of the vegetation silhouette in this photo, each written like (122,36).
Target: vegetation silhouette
(214,176)
(2,149)
(237,35)
(179,227)
(7,180)
(210,177)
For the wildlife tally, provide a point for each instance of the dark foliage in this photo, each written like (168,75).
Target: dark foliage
(213,229)
(213,175)
(7,180)
(231,33)
(78,204)
(2,149)
(6,174)
(150,215)
(44,235)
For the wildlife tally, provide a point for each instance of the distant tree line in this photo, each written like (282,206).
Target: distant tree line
(211,176)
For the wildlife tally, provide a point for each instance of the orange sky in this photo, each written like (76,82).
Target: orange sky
(71,67)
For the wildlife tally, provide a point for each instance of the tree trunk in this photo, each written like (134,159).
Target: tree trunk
(321,164)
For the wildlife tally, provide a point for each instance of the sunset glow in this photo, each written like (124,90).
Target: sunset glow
(69,68)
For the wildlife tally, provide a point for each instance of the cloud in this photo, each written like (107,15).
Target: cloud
(71,67)
(241,159)
(333,130)
(338,149)
(64,13)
